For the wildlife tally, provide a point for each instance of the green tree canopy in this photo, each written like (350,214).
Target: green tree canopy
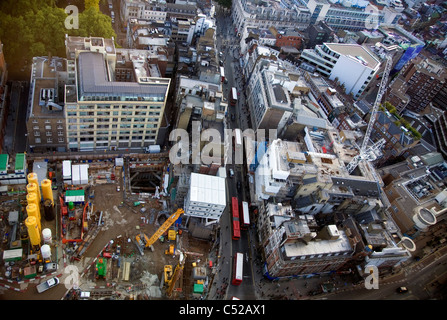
(36,28)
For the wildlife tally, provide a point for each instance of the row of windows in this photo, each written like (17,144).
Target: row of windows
(49,140)
(112,126)
(48,127)
(112,139)
(48,133)
(47,121)
(109,107)
(107,133)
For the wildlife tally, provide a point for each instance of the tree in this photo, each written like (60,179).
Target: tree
(91,4)
(225,3)
(36,28)
(93,23)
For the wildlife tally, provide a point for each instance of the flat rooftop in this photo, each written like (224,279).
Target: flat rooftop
(207,189)
(94,81)
(355,51)
(341,246)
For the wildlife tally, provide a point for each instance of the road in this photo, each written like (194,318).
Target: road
(227,44)
(423,280)
(15,135)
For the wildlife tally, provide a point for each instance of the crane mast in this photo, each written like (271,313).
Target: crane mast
(366,153)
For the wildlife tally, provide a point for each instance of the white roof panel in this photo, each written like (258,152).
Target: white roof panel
(207,189)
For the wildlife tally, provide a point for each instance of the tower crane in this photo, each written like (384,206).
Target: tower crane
(371,153)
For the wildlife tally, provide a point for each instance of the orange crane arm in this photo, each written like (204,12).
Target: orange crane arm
(165,226)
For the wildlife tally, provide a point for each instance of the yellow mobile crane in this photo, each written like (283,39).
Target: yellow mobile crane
(165,226)
(177,273)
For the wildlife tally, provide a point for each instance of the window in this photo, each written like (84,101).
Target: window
(37,140)
(49,140)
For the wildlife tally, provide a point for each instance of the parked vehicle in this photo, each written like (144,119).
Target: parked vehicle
(52,266)
(50,283)
(231,173)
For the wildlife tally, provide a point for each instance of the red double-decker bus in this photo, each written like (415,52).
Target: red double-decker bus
(245,216)
(236,279)
(235,219)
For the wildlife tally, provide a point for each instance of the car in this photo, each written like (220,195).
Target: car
(231,173)
(226,81)
(232,117)
(52,266)
(402,290)
(221,63)
(239,185)
(50,283)
(118,189)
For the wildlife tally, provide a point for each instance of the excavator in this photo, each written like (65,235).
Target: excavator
(148,242)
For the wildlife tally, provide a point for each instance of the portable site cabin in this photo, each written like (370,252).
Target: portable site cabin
(75,196)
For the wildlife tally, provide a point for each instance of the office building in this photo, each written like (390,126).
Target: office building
(97,99)
(46,121)
(333,59)
(421,79)
(285,14)
(206,197)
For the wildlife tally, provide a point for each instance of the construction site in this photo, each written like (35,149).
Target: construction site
(104,226)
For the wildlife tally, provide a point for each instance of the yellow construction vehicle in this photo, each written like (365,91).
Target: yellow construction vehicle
(165,226)
(178,271)
(171,235)
(171,250)
(142,240)
(168,274)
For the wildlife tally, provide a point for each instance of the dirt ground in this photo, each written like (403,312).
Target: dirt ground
(122,222)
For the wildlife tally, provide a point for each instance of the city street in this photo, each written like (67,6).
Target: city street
(15,136)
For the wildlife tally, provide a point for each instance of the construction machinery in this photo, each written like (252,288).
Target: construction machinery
(177,273)
(142,240)
(165,226)
(171,250)
(101,268)
(168,274)
(371,153)
(171,235)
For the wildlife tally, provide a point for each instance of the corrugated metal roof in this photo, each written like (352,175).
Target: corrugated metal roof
(4,162)
(20,161)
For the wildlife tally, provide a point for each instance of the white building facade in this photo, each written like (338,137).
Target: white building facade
(206,197)
(333,59)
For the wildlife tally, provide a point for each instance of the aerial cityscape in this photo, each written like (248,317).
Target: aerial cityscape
(223,150)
